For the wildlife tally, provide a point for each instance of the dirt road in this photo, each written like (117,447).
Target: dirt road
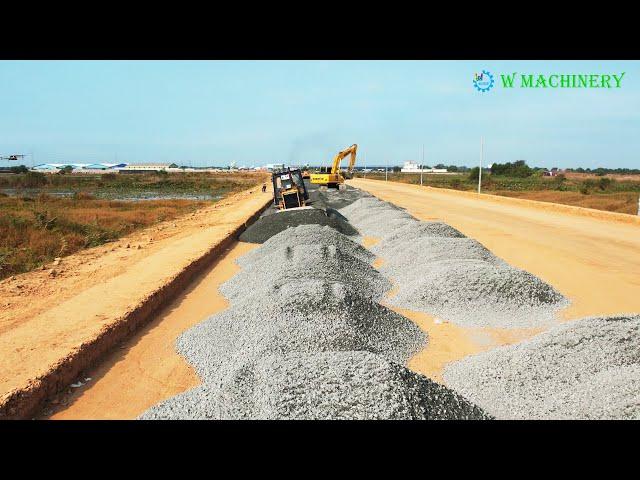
(593,261)
(593,258)
(46,321)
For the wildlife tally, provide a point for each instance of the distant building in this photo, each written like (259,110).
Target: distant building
(78,167)
(54,167)
(274,167)
(45,167)
(148,167)
(413,167)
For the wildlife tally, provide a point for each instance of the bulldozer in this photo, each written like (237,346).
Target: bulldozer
(334,177)
(289,190)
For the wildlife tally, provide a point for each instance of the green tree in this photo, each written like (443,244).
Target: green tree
(518,169)
(474,173)
(19,169)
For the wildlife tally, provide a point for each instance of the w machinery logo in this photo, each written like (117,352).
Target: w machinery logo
(483,82)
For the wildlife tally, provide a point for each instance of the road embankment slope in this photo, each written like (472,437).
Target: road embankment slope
(54,327)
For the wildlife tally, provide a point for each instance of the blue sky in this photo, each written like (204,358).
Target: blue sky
(257,112)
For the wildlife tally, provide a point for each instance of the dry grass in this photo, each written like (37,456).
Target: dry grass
(625,202)
(37,228)
(615,176)
(35,231)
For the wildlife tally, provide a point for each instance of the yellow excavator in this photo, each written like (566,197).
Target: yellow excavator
(334,178)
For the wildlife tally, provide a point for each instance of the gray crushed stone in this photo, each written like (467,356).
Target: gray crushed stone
(403,254)
(475,293)
(332,198)
(308,235)
(439,271)
(375,218)
(419,229)
(294,263)
(269,225)
(312,316)
(296,344)
(584,369)
(327,385)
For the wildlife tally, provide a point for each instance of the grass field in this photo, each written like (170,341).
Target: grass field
(601,193)
(36,227)
(112,185)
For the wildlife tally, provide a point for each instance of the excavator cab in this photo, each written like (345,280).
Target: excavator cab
(289,190)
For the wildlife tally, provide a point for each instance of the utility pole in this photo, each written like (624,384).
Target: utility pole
(386,168)
(480,170)
(422,164)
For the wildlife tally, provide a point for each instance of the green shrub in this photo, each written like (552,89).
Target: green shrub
(586,186)
(604,183)
(19,169)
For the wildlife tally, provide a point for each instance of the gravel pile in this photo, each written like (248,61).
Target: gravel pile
(475,293)
(312,316)
(327,385)
(308,235)
(304,338)
(269,225)
(332,198)
(441,272)
(418,229)
(585,369)
(376,218)
(296,263)
(427,250)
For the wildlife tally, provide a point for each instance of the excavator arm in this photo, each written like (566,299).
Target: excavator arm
(340,156)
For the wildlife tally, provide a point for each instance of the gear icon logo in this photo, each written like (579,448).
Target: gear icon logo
(483,82)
